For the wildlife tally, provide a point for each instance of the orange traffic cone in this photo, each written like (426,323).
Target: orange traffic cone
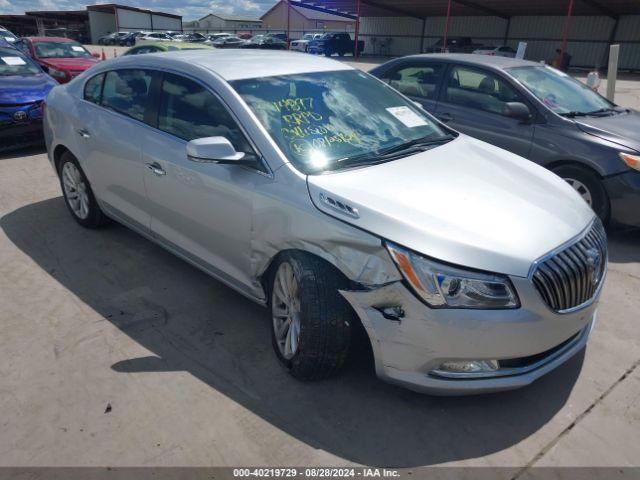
(103,57)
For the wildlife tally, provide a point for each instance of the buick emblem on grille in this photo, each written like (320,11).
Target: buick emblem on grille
(20,116)
(594,262)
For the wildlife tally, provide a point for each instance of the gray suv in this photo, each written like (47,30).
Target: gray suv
(538,113)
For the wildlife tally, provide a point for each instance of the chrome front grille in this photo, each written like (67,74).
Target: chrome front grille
(572,276)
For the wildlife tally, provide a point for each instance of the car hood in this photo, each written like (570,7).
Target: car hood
(70,63)
(621,129)
(17,89)
(466,202)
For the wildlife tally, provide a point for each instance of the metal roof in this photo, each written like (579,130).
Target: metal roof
(500,8)
(232,18)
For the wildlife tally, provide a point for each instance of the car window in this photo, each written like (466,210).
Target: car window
(13,63)
(189,111)
(22,46)
(93,89)
(416,81)
(506,49)
(480,89)
(126,91)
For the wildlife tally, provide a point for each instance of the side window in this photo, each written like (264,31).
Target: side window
(416,81)
(22,46)
(126,91)
(189,111)
(479,89)
(93,89)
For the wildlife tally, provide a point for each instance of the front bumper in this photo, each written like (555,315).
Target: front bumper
(624,195)
(407,351)
(19,135)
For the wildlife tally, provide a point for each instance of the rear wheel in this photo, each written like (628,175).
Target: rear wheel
(311,322)
(77,193)
(589,186)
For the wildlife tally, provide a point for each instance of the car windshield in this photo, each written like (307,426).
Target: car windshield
(60,50)
(560,92)
(12,63)
(331,120)
(8,36)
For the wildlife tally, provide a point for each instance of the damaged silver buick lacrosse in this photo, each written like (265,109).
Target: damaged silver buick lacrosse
(319,191)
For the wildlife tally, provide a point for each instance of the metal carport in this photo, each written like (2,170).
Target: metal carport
(587,26)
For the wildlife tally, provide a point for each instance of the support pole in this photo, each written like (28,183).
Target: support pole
(612,71)
(424,27)
(565,31)
(288,24)
(356,52)
(446,27)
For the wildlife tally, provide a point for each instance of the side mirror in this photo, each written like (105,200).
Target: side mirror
(213,149)
(517,110)
(96,55)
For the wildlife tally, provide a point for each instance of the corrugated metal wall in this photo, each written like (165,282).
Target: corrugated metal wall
(588,39)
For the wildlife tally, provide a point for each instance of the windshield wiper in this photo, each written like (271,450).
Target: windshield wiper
(573,114)
(598,112)
(392,153)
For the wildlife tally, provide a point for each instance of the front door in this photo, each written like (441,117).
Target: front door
(473,100)
(203,211)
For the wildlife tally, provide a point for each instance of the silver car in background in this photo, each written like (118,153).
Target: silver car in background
(316,190)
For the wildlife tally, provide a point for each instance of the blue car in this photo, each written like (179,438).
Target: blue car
(23,87)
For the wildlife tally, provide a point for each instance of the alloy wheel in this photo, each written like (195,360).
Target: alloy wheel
(75,190)
(286,311)
(582,189)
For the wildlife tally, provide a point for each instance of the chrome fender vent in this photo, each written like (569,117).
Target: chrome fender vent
(339,205)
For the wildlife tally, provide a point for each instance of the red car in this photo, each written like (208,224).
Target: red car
(62,58)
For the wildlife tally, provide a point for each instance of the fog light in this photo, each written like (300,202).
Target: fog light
(467,366)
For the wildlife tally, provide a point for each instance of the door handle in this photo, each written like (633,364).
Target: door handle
(83,133)
(156,168)
(445,117)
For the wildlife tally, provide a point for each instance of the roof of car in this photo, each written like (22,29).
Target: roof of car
(473,59)
(232,64)
(175,45)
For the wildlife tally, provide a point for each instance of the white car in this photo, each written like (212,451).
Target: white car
(147,37)
(501,51)
(302,45)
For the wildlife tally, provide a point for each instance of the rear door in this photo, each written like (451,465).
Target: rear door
(472,100)
(418,80)
(110,127)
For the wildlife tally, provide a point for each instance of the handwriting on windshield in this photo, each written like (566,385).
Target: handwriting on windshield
(306,129)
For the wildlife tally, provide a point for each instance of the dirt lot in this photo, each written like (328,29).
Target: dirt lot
(114,352)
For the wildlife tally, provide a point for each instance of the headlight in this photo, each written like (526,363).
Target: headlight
(57,73)
(632,161)
(442,286)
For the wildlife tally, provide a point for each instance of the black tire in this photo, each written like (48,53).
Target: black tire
(326,319)
(590,180)
(327,53)
(95,217)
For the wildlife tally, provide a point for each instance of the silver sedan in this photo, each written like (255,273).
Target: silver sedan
(322,193)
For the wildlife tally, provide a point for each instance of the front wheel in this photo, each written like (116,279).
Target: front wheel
(78,194)
(311,322)
(589,186)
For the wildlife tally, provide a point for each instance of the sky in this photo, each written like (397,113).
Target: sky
(189,9)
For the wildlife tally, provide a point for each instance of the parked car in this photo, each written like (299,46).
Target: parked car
(455,45)
(6,35)
(112,38)
(265,42)
(302,45)
(537,112)
(190,37)
(331,43)
(212,37)
(338,204)
(228,42)
(500,51)
(23,87)
(129,40)
(166,47)
(153,37)
(62,58)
